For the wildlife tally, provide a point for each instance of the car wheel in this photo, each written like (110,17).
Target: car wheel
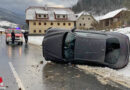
(21,43)
(7,42)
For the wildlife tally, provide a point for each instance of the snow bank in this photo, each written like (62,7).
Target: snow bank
(36,40)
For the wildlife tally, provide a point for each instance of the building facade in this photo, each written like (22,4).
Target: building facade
(85,21)
(40,19)
(115,19)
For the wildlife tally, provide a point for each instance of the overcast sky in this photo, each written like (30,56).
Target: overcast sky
(19,6)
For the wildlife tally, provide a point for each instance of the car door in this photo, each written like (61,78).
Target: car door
(89,47)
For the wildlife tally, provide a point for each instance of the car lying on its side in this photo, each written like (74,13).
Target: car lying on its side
(104,48)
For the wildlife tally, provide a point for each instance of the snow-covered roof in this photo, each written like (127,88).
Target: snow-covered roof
(60,12)
(112,14)
(32,11)
(8,24)
(2,29)
(81,13)
(41,11)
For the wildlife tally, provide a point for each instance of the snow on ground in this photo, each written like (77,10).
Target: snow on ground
(36,40)
(6,23)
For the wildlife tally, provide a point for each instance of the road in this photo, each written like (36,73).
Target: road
(21,67)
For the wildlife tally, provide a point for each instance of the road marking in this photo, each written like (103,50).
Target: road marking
(20,85)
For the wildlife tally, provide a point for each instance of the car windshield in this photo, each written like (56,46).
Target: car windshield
(69,46)
(16,31)
(112,50)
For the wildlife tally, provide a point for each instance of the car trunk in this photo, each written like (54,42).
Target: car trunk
(53,46)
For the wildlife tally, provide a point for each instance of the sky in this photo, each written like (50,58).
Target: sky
(19,6)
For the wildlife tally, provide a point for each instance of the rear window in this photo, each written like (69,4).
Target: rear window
(112,50)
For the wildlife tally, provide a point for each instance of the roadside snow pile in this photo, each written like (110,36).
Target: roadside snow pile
(36,40)
(121,76)
(125,31)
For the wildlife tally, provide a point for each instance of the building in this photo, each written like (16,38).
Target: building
(85,21)
(115,19)
(40,19)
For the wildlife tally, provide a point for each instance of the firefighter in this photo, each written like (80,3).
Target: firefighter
(26,36)
(13,36)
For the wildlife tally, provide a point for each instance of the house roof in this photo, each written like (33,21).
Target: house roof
(112,14)
(2,29)
(81,13)
(32,11)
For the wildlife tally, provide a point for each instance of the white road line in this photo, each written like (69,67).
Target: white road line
(20,85)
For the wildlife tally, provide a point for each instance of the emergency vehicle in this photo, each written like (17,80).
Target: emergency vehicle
(18,35)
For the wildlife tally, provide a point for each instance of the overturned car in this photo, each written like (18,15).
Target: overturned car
(79,46)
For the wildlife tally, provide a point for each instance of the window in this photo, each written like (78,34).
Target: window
(45,23)
(39,15)
(40,31)
(107,23)
(34,31)
(112,50)
(84,24)
(58,16)
(64,24)
(58,24)
(39,23)
(51,23)
(45,16)
(69,24)
(68,46)
(63,16)
(82,18)
(88,18)
(34,23)
(80,24)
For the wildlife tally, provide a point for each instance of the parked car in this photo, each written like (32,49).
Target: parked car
(18,36)
(79,46)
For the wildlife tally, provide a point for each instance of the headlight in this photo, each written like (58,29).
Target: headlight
(8,38)
(21,38)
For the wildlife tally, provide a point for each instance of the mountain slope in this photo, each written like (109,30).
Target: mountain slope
(6,15)
(98,6)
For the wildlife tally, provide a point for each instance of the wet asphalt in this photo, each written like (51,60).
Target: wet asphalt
(35,75)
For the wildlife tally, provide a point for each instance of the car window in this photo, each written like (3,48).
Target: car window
(112,50)
(69,43)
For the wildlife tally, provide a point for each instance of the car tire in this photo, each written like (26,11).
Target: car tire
(7,42)
(21,43)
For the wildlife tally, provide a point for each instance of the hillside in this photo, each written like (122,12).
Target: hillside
(98,7)
(6,15)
